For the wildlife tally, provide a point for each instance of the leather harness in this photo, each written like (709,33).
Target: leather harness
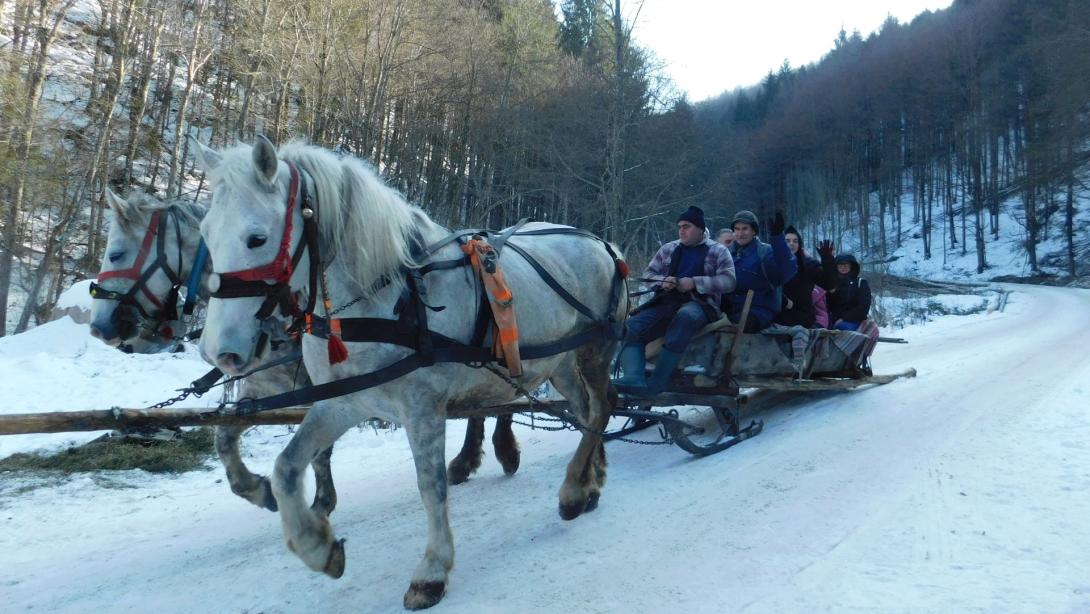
(410,330)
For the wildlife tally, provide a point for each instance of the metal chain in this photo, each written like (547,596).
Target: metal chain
(345,306)
(567,424)
(181,397)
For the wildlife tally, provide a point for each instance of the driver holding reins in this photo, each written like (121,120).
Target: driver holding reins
(692,275)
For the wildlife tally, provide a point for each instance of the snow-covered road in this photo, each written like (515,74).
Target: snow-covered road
(967,488)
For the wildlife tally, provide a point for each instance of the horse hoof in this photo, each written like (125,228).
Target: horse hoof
(571,511)
(334,565)
(458,472)
(424,594)
(268,501)
(592,502)
(510,464)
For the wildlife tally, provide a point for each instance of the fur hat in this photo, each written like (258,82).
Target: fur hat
(693,215)
(746,217)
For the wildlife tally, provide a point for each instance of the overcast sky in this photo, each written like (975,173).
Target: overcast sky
(710,46)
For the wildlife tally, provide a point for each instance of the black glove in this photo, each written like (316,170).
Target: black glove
(825,248)
(776,224)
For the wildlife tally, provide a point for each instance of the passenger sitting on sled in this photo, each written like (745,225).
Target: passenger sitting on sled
(693,273)
(848,295)
(798,293)
(761,267)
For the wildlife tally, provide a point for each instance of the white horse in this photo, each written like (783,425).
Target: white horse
(136,297)
(369,238)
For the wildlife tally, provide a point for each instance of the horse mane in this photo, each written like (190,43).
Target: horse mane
(366,223)
(139,207)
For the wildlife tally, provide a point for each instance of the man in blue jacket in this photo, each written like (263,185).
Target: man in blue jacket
(761,267)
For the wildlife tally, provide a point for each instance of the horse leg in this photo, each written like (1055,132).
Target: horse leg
(427,441)
(307,532)
(505,444)
(586,472)
(325,494)
(469,458)
(253,488)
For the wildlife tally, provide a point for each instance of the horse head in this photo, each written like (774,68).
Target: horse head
(149,251)
(254,233)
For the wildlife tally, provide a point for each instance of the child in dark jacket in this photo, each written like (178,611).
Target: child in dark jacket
(848,296)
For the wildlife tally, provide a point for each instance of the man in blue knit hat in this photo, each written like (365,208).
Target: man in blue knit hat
(692,274)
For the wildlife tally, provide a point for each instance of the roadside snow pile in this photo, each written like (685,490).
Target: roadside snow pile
(899,312)
(58,366)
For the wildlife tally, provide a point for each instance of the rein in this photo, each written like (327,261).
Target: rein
(165,311)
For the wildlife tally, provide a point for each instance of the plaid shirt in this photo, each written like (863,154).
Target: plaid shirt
(717,280)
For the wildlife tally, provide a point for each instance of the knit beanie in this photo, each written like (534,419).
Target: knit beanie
(693,215)
(748,218)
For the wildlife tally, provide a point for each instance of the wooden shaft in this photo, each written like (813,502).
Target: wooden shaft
(104,419)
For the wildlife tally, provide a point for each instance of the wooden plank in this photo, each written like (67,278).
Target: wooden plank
(771,383)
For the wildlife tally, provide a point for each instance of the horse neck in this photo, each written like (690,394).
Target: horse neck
(338,280)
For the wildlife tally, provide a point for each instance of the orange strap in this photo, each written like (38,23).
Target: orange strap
(505,345)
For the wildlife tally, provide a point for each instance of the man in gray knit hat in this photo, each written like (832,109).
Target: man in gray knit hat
(761,267)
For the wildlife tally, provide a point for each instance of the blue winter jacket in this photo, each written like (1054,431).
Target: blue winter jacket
(779,267)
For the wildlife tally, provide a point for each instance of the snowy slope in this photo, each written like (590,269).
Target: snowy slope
(964,489)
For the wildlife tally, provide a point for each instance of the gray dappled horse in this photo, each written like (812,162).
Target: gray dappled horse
(369,239)
(139,303)
(151,249)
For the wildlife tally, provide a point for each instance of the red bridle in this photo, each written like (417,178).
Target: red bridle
(135,272)
(272,281)
(282,267)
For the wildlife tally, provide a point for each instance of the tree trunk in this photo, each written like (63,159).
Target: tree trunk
(35,82)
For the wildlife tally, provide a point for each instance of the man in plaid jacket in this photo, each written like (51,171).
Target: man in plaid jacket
(691,276)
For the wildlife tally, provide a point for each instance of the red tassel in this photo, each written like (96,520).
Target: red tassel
(622,268)
(337,351)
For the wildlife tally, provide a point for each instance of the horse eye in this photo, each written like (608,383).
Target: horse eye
(114,257)
(256,241)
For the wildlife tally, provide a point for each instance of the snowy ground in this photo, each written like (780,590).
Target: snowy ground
(966,489)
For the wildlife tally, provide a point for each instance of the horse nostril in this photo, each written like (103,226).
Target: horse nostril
(229,359)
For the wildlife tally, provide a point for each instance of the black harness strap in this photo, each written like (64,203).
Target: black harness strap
(411,331)
(169,309)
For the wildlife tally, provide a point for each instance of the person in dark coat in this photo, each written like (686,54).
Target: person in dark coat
(848,296)
(760,267)
(798,304)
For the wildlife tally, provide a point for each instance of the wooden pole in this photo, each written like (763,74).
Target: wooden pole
(105,419)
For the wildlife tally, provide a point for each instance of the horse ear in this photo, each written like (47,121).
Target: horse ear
(265,159)
(207,158)
(118,205)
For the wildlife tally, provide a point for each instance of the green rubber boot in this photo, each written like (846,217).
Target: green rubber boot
(633,364)
(664,368)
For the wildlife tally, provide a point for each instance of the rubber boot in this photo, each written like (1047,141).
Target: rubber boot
(633,363)
(664,368)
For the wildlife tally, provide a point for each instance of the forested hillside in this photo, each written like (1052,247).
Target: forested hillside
(486,111)
(951,115)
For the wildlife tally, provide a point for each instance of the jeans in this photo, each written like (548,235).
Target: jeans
(679,325)
(845,325)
